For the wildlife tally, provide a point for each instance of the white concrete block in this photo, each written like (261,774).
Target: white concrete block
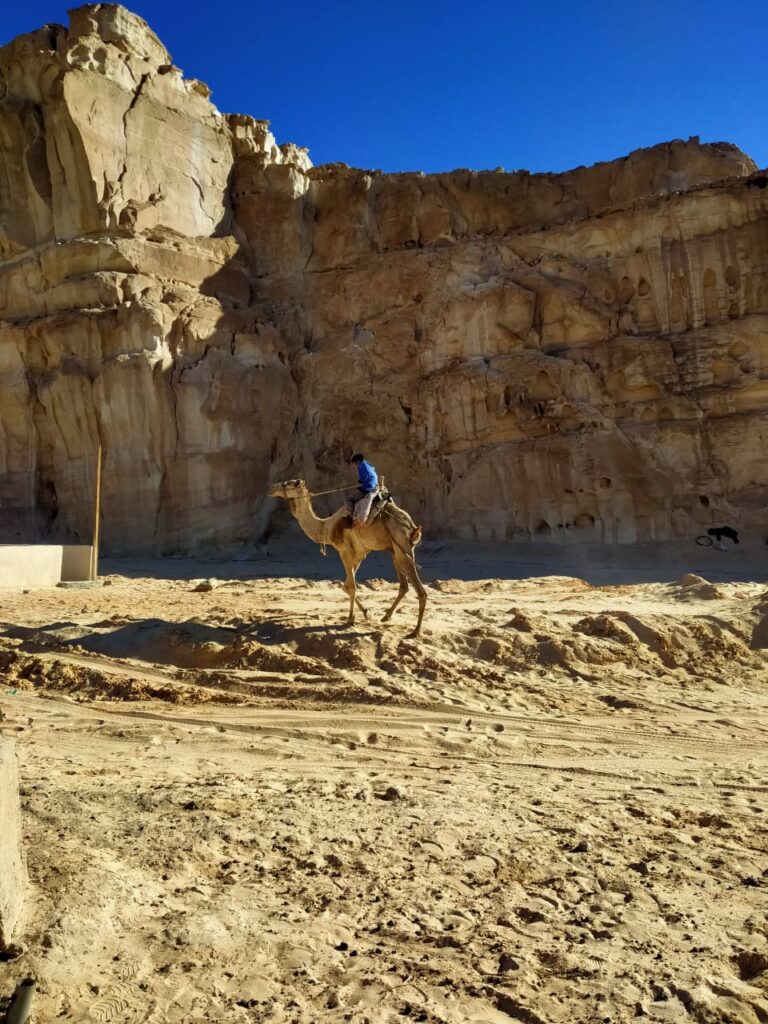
(30,565)
(76,562)
(43,565)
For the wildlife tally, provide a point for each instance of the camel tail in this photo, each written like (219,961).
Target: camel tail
(415,536)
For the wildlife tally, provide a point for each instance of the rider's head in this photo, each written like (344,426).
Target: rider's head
(359,457)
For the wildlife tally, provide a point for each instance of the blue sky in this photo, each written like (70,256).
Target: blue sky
(430,86)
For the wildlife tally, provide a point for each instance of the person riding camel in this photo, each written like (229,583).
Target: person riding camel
(360,501)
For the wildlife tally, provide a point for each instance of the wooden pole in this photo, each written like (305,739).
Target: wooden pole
(96,517)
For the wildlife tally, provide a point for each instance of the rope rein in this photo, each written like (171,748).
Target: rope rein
(336,490)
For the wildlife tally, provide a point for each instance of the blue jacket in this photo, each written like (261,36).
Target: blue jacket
(366,477)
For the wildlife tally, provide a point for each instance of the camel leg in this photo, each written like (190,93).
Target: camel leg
(405,565)
(358,602)
(403,578)
(350,588)
(421,593)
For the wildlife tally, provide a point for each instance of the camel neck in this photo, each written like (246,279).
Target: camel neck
(318,530)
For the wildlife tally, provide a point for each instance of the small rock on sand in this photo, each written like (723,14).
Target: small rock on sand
(690,579)
(204,586)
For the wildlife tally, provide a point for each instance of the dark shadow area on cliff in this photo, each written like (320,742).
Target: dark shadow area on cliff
(23,525)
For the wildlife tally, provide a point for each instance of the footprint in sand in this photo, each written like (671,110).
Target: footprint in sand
(119,1002)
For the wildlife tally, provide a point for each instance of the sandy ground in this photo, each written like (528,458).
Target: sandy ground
(550,808)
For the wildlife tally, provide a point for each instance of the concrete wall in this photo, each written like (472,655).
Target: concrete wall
(12,877)
(43,565)
(76,562)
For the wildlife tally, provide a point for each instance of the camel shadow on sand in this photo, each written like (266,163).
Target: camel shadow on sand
(187,644)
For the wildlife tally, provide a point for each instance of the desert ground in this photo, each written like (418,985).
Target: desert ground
(549,808)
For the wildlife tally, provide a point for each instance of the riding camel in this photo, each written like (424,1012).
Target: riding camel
(391,530)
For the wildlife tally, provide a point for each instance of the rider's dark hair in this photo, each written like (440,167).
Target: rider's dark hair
(359,457)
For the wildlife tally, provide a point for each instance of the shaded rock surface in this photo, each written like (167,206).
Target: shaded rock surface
(572,356)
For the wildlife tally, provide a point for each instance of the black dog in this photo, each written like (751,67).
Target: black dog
(718,532)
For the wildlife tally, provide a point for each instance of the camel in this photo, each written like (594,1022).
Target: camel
(392,530)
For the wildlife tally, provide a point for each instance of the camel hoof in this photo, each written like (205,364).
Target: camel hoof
(413,635)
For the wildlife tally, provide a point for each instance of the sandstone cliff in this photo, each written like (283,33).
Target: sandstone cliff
(556,356)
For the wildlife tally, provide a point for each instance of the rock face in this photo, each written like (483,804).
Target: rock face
(556,356)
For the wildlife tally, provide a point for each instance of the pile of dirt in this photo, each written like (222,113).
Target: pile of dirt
(28,672)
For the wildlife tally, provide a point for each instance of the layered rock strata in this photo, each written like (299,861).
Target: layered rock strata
(554,356)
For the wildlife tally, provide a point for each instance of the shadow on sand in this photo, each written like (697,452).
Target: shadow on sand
(188,644)
(597,564)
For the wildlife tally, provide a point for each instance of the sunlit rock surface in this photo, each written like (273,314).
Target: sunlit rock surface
(556,356)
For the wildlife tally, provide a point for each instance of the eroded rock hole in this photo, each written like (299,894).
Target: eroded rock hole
(626,290)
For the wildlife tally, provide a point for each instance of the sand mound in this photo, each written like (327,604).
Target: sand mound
(29,672)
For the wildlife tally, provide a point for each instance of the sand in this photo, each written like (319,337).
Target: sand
(550,808)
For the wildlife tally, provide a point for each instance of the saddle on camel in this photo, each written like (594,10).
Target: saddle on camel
(381,526)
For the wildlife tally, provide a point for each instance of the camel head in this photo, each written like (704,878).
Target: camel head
(289,489)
